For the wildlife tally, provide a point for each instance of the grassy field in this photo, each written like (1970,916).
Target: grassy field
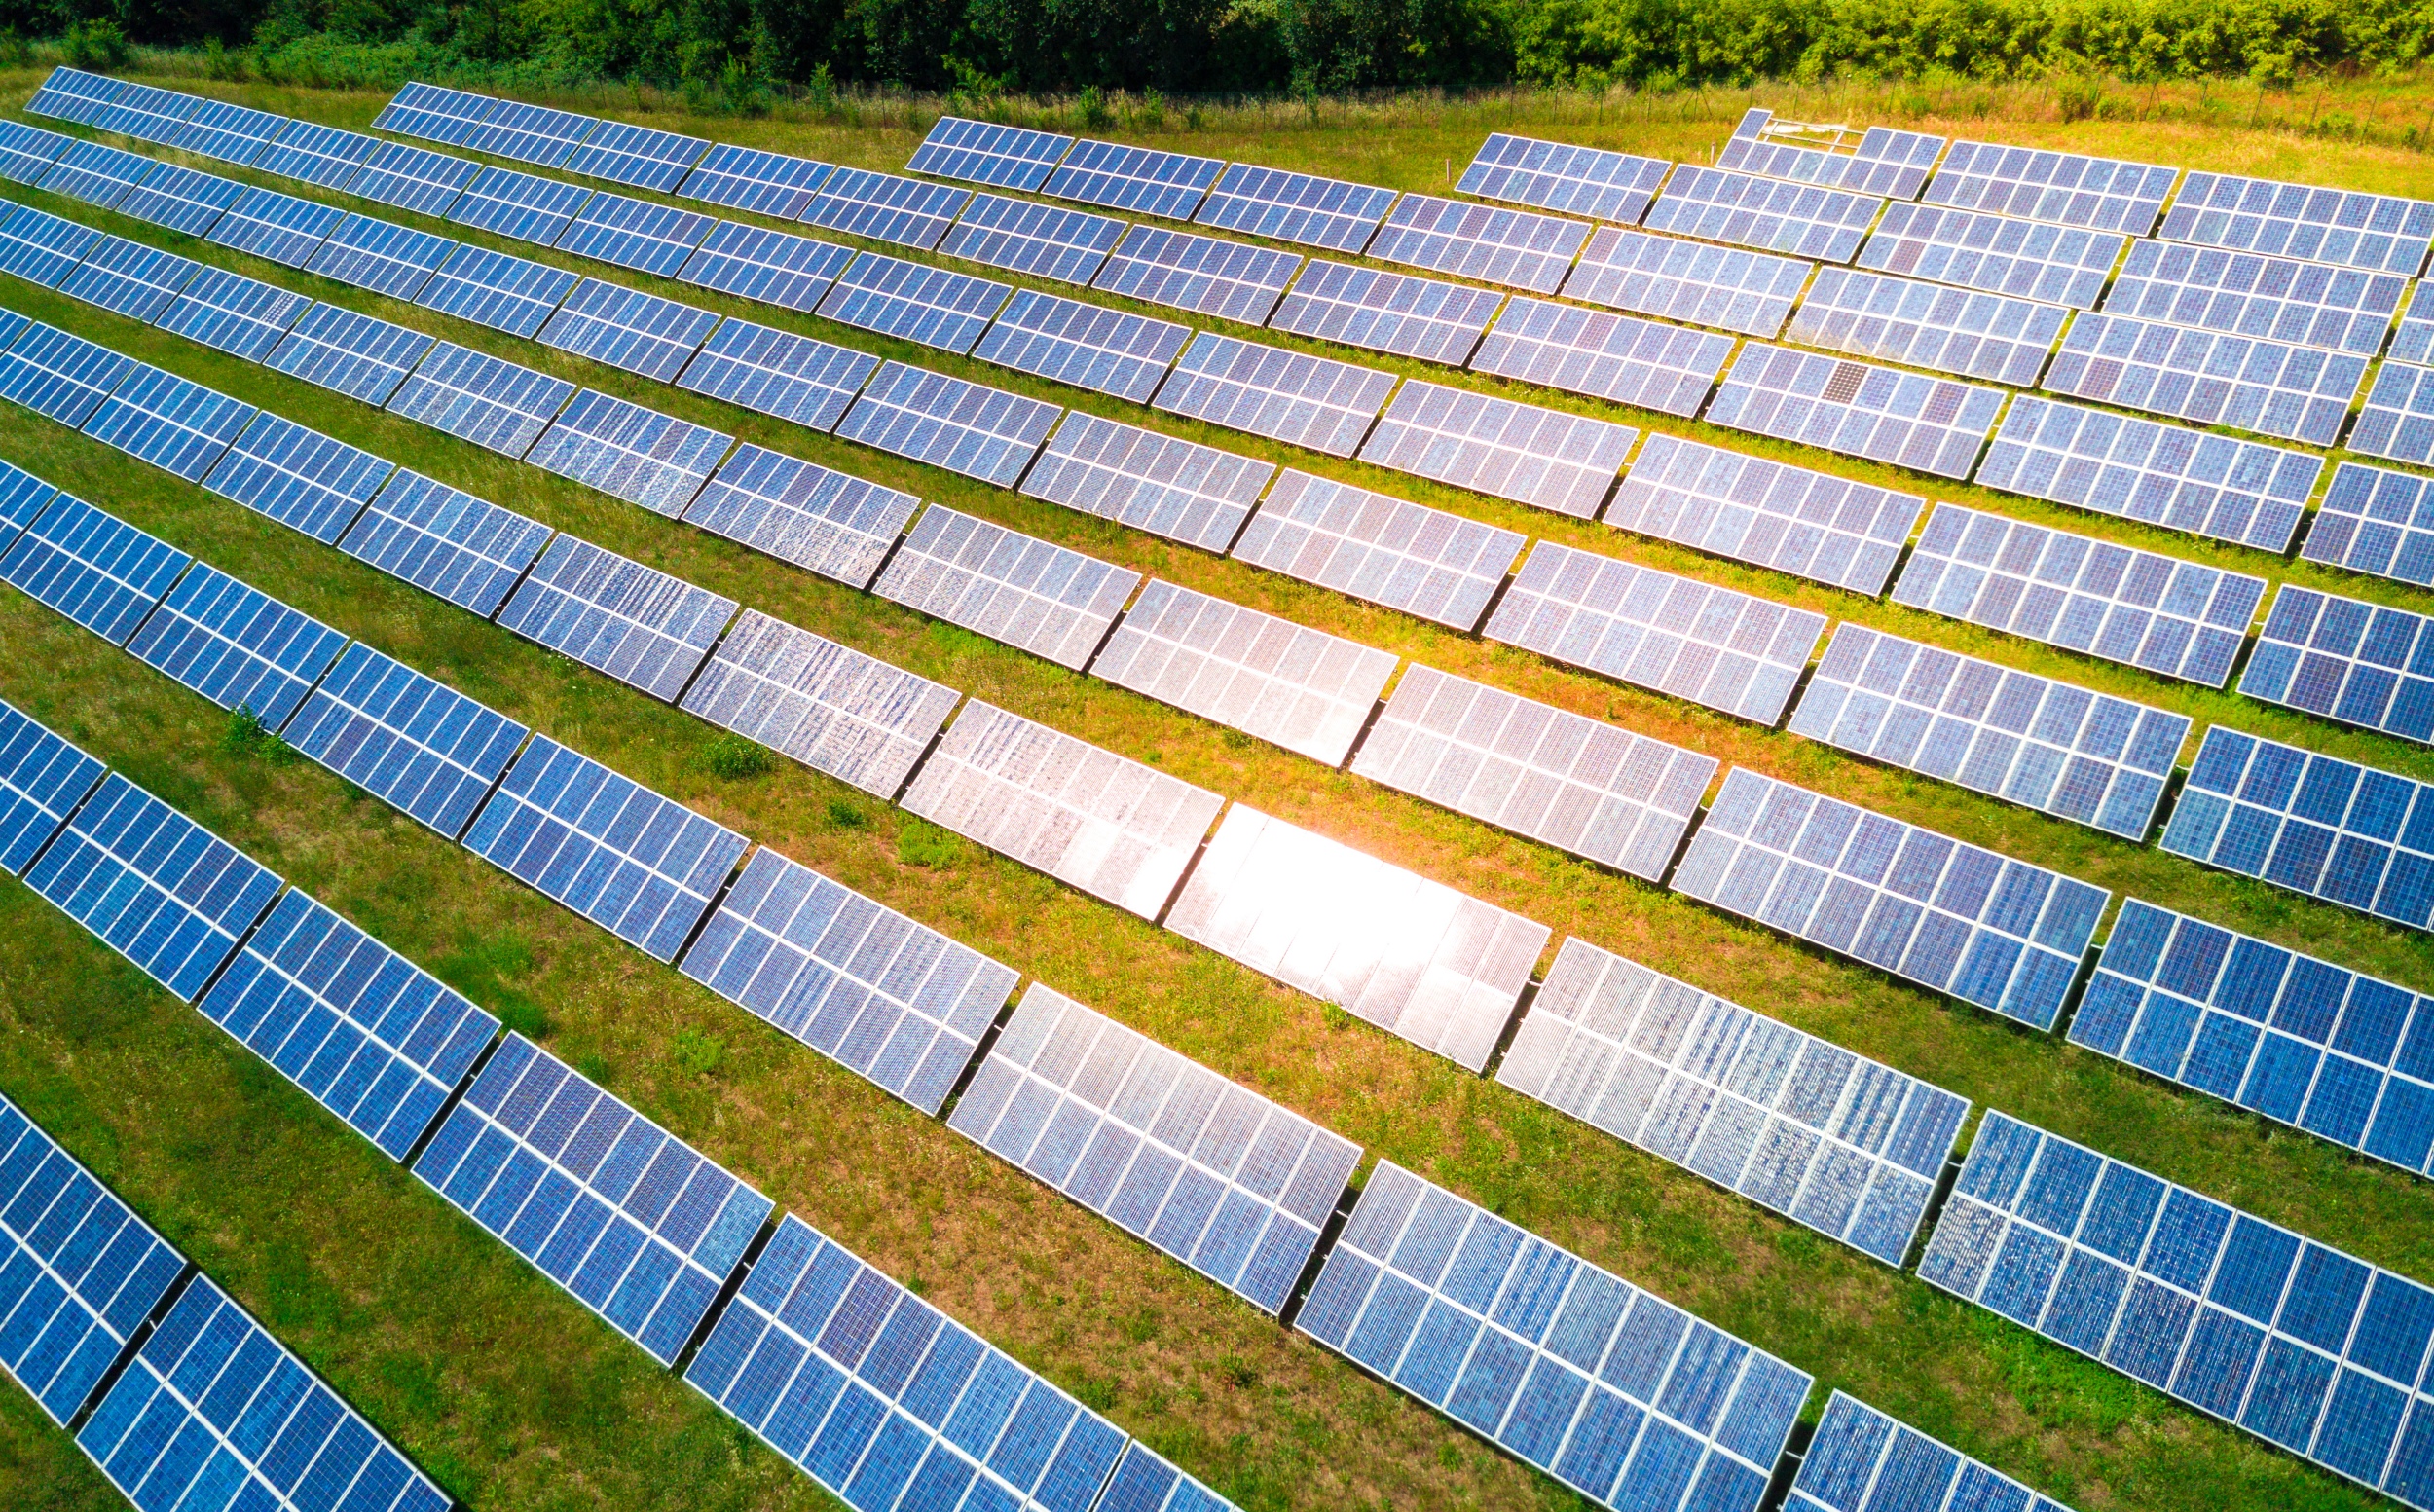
(515,1398)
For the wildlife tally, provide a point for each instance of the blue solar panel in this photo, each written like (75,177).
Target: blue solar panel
(424,748)
(300,478)
(2301,1345)
(1610,186)
(445,541)
(96,174)
(1299,207)
(484,399)
(635,233)
(133,279)
(42,780)
(1386,311)
(1989,930)
(2378,520)
(832,522)
(522,205)
(636,155)
(635,623)
(773,267)
(495,289)
(640,866)
(778,373)
(414,179)
(146,112)
(835,710)
(639,454)
(283,228)
(236,646)
(1088,346)
(628,328)
(232,133)
(73,95)
(747,178)
(61,376)
(1317,402)
(181,198)
(40,247)
(381,255)
(1856,408)
(26,152)
(982,152)
(318,154)
(966,427)
(233,312)
(1628,1399)
(352,353)
(173,423)
(82,1273)
(527,133)
(2345,659)
(914,300)
(1207,275)
(155,886)
(93,568)
(887,1402)
(213,1411)
(1027,237)
(23,499)
(435,114)
(886,207)
(1135,178)
(1861,1460)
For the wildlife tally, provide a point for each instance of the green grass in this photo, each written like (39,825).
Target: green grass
(515,1398)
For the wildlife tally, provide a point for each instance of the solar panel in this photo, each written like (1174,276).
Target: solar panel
(2240,294)
(637,454)
(73,95)
(318,154)
(1511,247)
(2398,417)
(522,205)
(42,780)
(1303,689)
(836,711)
(2374,520)
(280,227)
(1609,356)
(42,249)
(493,289)
(352,353)
(1955,918)
(2063,189)
(778,373)
(641,333)
(1027,237)
(444,541)
(1133,178)
(1317,402)
(1414,957)
(55,374)
(1613,186)
(153,885)
(236,646)
(1799,220)
(774,184)
(1886,161)
(181,198)
(627,154)
(26,152)
(1006,585)
(95,174)
(435,114)
(982,152)
(1425,562)
(873,1392)
(527,133)
(633,623)
(1724,288)
(177,425)
(1501,447)
(2359,663)
(413,178)
(487,401)
(1088,346)
(1861,1460)
(913,301)
(1808,523)
(1629,1400)
(233,313)
(886,207)
(832,522)
(2043,744)
(1157,483)
(2022,259)
(2244,1320)
(884,996)
(1207,275)
(1386,311)
(2299,392)
(1796,1124)
(135,281)
(773,267)
(1930,424)
(1577,784)
(362,1030)
(23,499)
(635,233)
(2347,226)
(422,747)
(627,1218)
(2171,617)
(2414,341)
(1302,207)
(146,112)
(966,427)
(1225,1181)
(381,255)
(85,1271)
(1929,325)
(93,568)
(2188,480)
(232,133)
(212,1408)
(1113,827)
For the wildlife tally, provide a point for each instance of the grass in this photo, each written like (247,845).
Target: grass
(518,1401)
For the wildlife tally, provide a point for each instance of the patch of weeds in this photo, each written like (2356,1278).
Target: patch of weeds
(921,844)
(735,758)
(1798,1245)
(1237,740)
(480,969)
(413,1383)
(843,815)
(1450,1455)
(1094,1393)
(697,1053)
(1140,1327)
(1335,1017)
(595,1067)
(1237,1372)
(245,735)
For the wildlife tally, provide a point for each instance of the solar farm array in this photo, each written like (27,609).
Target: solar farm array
(1435,967)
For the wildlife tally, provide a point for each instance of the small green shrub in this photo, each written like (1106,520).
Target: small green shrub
(921,844)
(1092,104)
(697,1053)
(2081,97)
(847,816)
(735,758)
(221,63)
(245,735)
(96,44)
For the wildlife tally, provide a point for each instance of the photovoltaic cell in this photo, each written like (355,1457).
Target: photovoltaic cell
(1861,1460)
(2376,520)
(1317,402)
(2039,742)
(2414,341)
(236,646)
(1724,288)
(933,306)
(2360,663)
(487,401)
(1135,178)
(413,178)
(177,425)
(1514,248)
(145,113)
(772,267)
(181,198)
(1772,215)
(382,256)
(1609,356)
(795,377)
(527,133)
(2171,617)
(1300,688)
(633,234)
(1998,932)
(26,152)
(1425,562)
(40,247)
(966,427)
(1886,161)
(640,866)
(424,748)
(352,353)
(627,154)
(232,133)
(830,706)
(93,568)
(1235,1186)
(1930,424)
(886,207)
(2061,265)
(1808,523)
(2347,226)
(891,999)
(831,523)
(1578,784)
(23,499)
(2060,188)
(96,174)
(637,454)
(1302,207)
(2245,294)
(1929,325)
(492,288)
(1088,346)
(641,333)
(2398,418)
(445,541)
(318,154)
(2299,392)
(233,312)
(1386,311)
(630,1220)
(1027,237)
(522,205)
(1533,455)
(73,95)
(137,281)
(1157,483)
(42,780)
(433,113)
(1798,1125)
(613,614)
(1619,1395)
(1114,828)
(2244,1320)
(1207,275)
(1613,186)
(53,374)
(774,184)
(980,152)
(279,227)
